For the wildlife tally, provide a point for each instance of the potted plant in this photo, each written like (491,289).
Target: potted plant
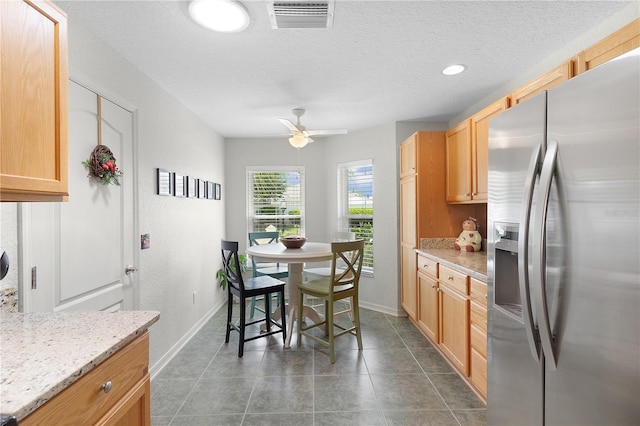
(221,275)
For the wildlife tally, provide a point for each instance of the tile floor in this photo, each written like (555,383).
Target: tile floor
(397,379)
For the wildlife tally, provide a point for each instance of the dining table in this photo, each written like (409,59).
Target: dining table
(295,258)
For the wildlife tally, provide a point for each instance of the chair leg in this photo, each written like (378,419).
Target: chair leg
(253,307)
(243,320)
(283,318)
(356,321)
(329,325)
(229,316)
(299,316)
(267,310)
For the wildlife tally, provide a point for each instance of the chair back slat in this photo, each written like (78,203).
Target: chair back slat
(346,264)
(231,264)
(257,238)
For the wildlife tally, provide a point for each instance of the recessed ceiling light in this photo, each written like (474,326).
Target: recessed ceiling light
(454,69)
(226,16)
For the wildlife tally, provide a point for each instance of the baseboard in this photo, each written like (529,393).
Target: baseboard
(171,353)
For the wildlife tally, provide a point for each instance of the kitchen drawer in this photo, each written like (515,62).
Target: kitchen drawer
(479,340)
(479,316)
(85,401)
(479,372)
(428,266)
(478,291)
(454,279)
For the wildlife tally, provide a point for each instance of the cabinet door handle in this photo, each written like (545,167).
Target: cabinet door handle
(433,286)
(106,387)
(466,195)
(474,193)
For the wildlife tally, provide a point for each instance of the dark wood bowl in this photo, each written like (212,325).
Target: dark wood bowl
(293,242)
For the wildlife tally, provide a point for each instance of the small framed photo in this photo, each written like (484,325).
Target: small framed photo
(192,188)
(178,185)
(218,189)
(164,182)
(202,188)
(210,190)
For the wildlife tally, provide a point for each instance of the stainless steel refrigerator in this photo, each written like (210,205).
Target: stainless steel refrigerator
(563,253)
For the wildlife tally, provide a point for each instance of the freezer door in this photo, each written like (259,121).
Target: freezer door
(595,318)
(514,376)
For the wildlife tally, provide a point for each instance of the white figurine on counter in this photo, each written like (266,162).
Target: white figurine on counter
(469,239)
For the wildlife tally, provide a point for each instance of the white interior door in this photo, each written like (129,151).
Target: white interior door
(82,247)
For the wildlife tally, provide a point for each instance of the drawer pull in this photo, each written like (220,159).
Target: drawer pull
(106,387)
(450,278)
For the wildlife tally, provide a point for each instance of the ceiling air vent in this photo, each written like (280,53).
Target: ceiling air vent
(300,14)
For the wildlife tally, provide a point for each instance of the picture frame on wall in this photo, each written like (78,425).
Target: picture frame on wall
(192,188)
(202,188)
(179,185)
(218,190)
(210,190)
(163,180)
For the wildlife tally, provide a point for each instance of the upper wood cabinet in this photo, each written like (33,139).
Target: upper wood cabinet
(480,148)
(624,40)
(459,163)
(408,152)
(33,101)
(546,81)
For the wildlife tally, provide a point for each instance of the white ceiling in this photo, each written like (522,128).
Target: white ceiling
(379,63)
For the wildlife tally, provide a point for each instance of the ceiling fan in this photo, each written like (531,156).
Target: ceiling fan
(300,136)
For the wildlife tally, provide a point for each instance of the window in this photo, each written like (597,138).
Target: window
(275,200)
(355,204)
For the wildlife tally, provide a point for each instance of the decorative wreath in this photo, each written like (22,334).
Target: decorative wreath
(102,166)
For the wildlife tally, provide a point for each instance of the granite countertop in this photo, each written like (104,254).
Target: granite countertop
(441,250)
(43,353)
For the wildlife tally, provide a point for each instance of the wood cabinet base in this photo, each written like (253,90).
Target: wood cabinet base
(116,392)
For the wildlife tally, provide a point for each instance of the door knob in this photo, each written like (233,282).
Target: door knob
(129,269)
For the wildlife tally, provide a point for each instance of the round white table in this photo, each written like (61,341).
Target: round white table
(310,252)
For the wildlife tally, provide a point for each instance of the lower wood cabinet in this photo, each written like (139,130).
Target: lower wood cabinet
(478,335)
(116,392)
(428,304)
(454,325)
(452,313)
(409,290)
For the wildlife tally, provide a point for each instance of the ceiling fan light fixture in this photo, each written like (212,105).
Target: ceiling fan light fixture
(454,69)
(225,16)
(298,140)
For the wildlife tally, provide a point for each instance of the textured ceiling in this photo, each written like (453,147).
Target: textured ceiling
(380,63)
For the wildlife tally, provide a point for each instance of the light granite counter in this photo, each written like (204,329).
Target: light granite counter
(43,353)
(441,250)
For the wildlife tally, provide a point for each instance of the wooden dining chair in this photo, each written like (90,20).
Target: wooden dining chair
(275,270)
(325,271)
(244,290)
(343,283)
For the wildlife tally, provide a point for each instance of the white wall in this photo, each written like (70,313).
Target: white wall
(185,233)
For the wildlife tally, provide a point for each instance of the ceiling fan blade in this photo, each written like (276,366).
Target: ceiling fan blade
(289,125)
(326,132)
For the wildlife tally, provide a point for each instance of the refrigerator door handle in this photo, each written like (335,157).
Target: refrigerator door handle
(539,255)
(523,254)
